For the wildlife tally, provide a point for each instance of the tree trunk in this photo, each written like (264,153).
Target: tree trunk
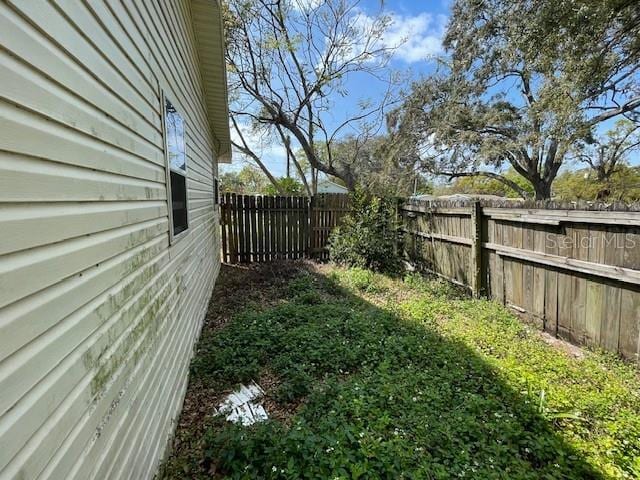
(314,180)
(287,143)
(542,189)
(349,182)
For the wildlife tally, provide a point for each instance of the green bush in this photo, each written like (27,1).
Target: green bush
(367,237)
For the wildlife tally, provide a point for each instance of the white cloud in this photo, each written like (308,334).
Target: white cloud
(270,152)
(415,38)
(419,37)
(306,5)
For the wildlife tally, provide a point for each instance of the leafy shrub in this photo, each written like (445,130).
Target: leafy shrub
(367,237)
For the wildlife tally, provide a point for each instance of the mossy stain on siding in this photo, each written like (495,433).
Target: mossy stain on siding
(144,311)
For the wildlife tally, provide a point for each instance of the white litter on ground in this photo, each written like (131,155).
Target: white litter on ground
(243,406)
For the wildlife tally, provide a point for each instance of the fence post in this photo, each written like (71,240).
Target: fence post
(399,226)
(223,207)
(312,219)
(476,249)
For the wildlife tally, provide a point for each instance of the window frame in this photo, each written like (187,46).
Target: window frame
(174,237)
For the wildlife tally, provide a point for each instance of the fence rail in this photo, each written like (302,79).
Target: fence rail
(576,273)
(259,228)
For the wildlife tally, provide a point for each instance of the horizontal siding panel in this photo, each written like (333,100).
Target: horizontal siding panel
(138,76)
(23,321)
(197,204)
(72,405)
(92,360)
(199,149)
(31,45)
(27,226)
(33,180)
(172,26)
(198,174)
(75,453)
(30,89)
(49,21)
(187,75)
(24,273)
(134,429)
(126,464)
(113,27)
(29,134)
(173,76)
(199,194)
(98,313)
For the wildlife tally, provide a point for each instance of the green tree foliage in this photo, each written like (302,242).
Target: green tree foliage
(523,83)
(287,186)
(249,180)
(607,154)
(623,185)
(488,186)
(367,238)
(381,172)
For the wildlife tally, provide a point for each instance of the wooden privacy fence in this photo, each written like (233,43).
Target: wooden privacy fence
(576,273)
(327,211)
(258,228)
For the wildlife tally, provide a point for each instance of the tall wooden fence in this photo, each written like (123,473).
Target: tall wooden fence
(258,228)
(327,211)
(576,273)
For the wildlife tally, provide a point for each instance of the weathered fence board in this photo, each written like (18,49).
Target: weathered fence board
(327,212)
(574,273)
(266,228)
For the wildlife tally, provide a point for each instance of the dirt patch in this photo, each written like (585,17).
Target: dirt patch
(262,285)
(275,409)
(568,348)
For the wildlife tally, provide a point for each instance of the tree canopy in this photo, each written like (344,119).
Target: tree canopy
(522,84)
(606,154)
(487,186)
(379,172)
(623,185)
(248,180)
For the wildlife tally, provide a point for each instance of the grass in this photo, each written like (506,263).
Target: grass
(373,377)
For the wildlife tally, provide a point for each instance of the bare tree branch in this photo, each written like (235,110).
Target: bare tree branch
(288,63)
(244,148)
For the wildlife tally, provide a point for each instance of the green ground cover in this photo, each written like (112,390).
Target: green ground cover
(373,377)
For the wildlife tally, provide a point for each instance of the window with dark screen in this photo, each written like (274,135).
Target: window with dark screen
(177,163)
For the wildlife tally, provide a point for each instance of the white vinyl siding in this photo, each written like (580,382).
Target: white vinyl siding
(98,313)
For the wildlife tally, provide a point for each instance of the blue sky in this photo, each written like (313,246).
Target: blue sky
(418,26)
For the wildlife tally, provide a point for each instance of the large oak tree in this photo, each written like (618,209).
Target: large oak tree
(524,81)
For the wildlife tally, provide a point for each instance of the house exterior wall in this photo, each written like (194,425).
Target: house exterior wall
(327,186)
(98,312)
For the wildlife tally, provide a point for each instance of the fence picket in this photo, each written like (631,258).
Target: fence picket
(262,229)
(236,231)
